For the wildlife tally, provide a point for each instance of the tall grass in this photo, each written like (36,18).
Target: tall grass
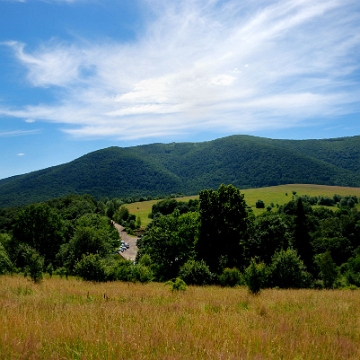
(69,319)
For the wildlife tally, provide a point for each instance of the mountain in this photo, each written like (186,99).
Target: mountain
(163,169)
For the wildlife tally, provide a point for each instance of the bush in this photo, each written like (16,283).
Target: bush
(176,284)
(145,260)
(34,265)
(255,276)
(231,277)
(196,273)
(318,285)
(260,204)
(91,268)
(141,273)
(6,265)
(50,270)
(352,271)
(120,270)
(61,271)
(328,269)
(352,278)
(287,270)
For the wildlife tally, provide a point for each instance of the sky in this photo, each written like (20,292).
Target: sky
(81,75)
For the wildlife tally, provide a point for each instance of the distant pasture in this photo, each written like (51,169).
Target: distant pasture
(276,195)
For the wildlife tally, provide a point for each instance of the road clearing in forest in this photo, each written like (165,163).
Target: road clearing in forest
(131,252)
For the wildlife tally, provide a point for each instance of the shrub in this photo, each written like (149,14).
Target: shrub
(352,271)
(145,260)
(50,270)
(34,265)
(287,270)
(176,284)
(318,285)
(196,273)
(352,278)
(141,273)
(61,271)
(231,277)
(260,204)
(328,269)
(120,270)
(6,265)
(91,268)
(255,276)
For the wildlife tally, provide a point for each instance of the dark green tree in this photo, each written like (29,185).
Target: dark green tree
(40,227)
(224,220)
(91,268)
(170,242)
(269,233)
(231,277)
(302,238)
(94,234)
(196,273)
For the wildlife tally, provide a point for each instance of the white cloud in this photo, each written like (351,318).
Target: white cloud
(216,65)
(18,132)
(21,154)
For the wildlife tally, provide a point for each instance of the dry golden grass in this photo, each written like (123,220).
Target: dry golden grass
(272,194)
(68,319)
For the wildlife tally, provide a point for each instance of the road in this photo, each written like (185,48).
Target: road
(130,253)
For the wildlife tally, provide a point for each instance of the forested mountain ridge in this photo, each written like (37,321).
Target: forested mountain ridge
(162,169)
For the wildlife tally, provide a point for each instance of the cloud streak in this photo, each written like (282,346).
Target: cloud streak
(221,66)
(18,133)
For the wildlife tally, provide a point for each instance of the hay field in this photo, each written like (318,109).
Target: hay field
(69,319)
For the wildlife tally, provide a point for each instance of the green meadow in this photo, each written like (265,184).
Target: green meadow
(277,195)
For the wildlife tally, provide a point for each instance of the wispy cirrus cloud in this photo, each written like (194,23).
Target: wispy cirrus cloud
(223,66)
(18,133)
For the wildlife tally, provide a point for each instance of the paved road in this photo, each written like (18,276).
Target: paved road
(130,253)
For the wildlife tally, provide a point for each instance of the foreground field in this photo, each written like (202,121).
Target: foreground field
(68,319)
(274,194)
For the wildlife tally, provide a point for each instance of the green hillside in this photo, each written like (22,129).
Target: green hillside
(162,169)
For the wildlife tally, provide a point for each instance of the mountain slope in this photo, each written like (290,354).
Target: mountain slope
(161,169)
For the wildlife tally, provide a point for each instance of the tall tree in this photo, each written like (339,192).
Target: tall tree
(224,221)
(94,234)
(269,234)
(302,238)
(169,241)
(42,228)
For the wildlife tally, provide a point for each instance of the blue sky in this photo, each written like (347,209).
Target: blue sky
(80,75)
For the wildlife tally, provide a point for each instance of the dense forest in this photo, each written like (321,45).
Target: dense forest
(213,240)
(156,170)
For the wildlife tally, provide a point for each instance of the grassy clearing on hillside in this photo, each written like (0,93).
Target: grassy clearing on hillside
(68,319)
(273,194)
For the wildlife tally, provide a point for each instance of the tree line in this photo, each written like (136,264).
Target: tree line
(293,246)
(213,240)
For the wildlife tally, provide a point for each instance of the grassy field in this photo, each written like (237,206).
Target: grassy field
(274,194)
(69,319)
